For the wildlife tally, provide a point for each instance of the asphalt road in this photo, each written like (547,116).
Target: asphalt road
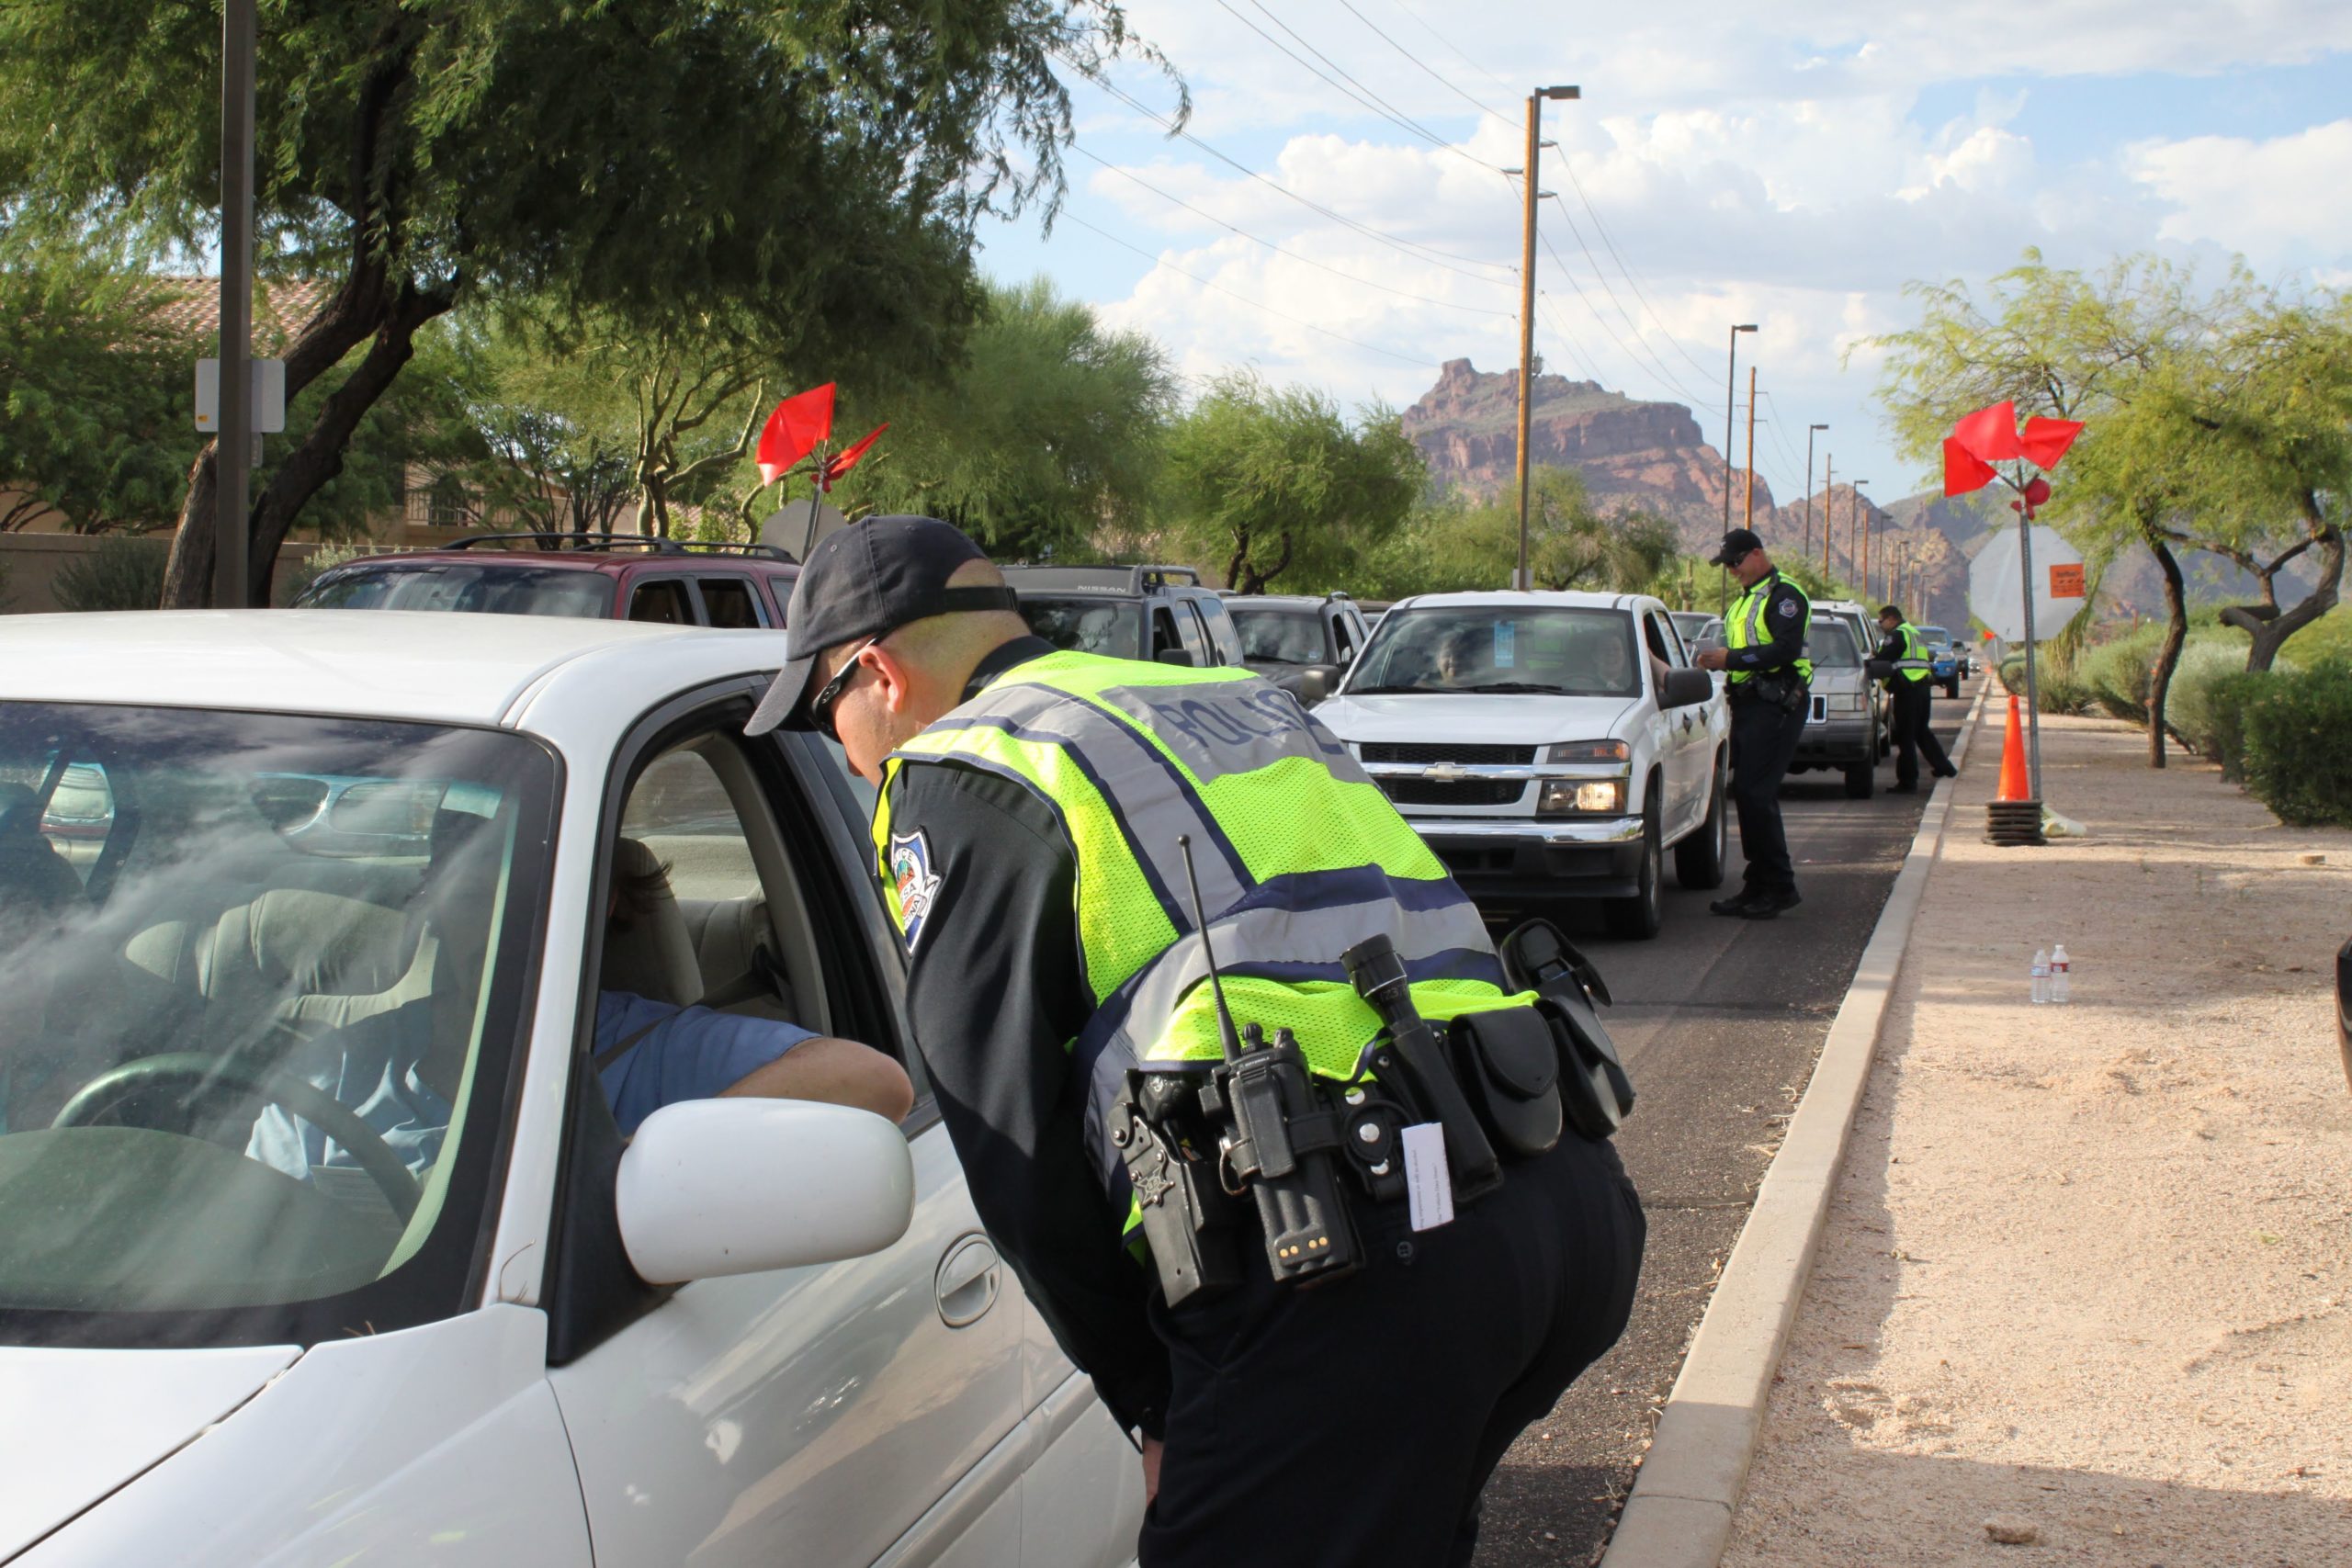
(1719,1022)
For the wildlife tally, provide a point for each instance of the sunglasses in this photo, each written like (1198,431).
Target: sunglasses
(820,707)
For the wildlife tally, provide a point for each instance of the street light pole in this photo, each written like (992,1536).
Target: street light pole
(1828,509)
(233,449)
(1527,173)
(1731,384)
(1807,549)
(1748,512)
(1860,559)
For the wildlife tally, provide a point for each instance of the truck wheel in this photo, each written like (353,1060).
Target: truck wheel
(1699,859)
(1862,779)
(1951,687)
(1638,919)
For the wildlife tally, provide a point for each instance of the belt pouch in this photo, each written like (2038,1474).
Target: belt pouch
(1509,1069)
(1593,1083)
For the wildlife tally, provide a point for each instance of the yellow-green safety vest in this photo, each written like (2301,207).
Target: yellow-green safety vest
(1915,664)
(1743,626)
(1300,854)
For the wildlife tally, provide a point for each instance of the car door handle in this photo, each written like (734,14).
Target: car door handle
(967,1282)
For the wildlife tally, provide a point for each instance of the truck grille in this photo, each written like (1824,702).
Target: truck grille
(1445,751)
(1453,792)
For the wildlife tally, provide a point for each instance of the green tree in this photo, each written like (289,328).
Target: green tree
(1271,482)
(1461,541)
(93,386)
(806,172)
(1046,433)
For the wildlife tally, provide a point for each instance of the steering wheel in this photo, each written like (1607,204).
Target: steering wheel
(303,1098)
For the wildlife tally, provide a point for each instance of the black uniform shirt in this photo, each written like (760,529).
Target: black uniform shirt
(1890,651)
(996,995)
(1784,625)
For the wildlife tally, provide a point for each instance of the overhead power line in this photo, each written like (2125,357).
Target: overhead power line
(1449,43)
(1603,230)
(1424,65)
(1602,278)
(1652,367)
(1257,304)
(1348,85)
(1294,255)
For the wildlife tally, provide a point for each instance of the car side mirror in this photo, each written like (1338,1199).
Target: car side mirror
(1878,668)
(1177,656)
(1317,681)
(741,1186)
(1685,688)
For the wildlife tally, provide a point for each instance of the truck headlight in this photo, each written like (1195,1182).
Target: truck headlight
(1589,752)
(1845,702)
(1565,797)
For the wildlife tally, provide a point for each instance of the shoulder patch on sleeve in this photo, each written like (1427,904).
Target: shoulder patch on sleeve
(1787,607)
(917,884)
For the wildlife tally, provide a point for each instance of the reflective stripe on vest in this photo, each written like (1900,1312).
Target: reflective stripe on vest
(1300,857)
(1743,627)
(1915,664)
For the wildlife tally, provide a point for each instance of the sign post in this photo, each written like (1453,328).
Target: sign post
(2017,605)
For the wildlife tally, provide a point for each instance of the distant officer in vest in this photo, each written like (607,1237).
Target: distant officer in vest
(1769,682)
(1914,701)
(1031,801)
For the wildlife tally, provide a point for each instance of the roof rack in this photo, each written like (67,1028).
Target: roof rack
(1132,578)
(648,542)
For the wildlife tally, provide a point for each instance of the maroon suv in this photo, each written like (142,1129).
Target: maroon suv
(625,576)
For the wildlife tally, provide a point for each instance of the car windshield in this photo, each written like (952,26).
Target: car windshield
(1087,626)
(265,977)
(1500,649)
(497,587)
(1280,635)
(1831,645)
(1936,636)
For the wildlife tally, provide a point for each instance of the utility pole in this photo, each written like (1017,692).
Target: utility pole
(1862,555)
(1527,302)
(1807,550)
(233,449)
(1828,509)
(1748,519)
(1731,383)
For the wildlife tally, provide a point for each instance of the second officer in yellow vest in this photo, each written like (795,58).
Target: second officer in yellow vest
(1027,835)
(1768,680)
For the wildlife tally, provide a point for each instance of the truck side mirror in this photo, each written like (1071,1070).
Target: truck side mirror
(1317,681)
(1177,656)
(1685,688)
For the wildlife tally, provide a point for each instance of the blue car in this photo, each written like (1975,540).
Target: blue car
(1943,658)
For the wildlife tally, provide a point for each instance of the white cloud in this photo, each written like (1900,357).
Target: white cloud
(2281,201)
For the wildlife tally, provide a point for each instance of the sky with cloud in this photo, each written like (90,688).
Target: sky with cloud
(1339,213)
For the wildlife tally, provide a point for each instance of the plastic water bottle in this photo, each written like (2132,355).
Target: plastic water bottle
(2060,990)
(2041,976)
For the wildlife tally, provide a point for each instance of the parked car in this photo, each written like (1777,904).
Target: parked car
(1546,745)
(1300,643)
(625,576)
(1945,660)
(1841,729)
(762,1332)
(1863,625)
(1700,629)
(1155,613)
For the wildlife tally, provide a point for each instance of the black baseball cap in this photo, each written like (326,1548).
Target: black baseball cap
(1736,542)
(867,579)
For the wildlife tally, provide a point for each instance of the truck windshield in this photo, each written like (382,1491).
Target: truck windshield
(1087,626)
(1500,649)
(498,588)
(1280,635)
(265,975)
(1831,646)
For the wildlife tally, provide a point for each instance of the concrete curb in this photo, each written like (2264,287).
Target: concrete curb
(1679,1512)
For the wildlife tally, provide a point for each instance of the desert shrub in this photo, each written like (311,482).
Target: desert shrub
(122,573)
(2202,691)
(2298,744)
(302,573)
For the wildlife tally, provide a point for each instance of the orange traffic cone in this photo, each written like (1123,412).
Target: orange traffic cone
(2013,779)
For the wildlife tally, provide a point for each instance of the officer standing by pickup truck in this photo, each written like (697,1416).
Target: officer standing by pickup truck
(1769,682)
(1052,828)
(1915,736)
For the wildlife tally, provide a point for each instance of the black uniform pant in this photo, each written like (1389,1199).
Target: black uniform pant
(1763,741)
(1357,1422)
(1914,738)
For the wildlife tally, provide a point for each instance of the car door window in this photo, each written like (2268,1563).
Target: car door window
(731,603)
(1163,632)
(662,599)
(1343,648)
(803,1414)
(1224,635)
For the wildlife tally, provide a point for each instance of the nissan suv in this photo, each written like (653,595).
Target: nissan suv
(1160,614)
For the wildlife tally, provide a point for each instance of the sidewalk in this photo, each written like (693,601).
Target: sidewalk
(2088,1268)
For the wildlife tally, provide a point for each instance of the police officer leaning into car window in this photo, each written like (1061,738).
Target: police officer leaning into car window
(1027,837)
(1915,736)
(1769,683)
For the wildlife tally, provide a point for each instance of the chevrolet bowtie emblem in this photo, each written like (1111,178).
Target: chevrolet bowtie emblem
(1446,773)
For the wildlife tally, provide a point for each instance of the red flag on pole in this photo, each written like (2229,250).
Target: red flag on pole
(793,430)
(846,459)
(1991,433)
(1963,469)
(2046,440)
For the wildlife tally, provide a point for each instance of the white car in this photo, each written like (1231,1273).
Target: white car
(760,1331)
(1546,745)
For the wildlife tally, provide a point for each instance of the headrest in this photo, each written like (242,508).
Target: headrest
(312,943)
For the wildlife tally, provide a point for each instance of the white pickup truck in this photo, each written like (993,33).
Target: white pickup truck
(1546,745)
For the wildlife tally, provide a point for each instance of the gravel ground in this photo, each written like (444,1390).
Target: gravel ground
(2086,1276)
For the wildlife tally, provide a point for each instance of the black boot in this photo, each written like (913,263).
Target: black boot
(1737,904)
(1766,906)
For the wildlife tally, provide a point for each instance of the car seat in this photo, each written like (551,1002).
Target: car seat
(652,955)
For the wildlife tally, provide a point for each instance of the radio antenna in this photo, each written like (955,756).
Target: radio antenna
(1228,1036)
